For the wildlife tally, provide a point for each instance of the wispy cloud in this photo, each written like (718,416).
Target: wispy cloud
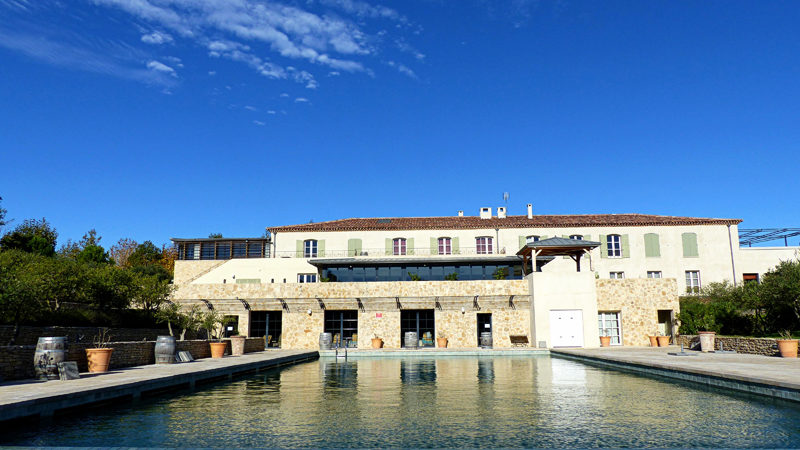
(161,67)
(156,37)
(259,123)
(402,68)
(301,100)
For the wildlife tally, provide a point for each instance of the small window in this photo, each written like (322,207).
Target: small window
(608,323)
(445,247)
(653,274)
(530,239)
(750,277)
(614,246)
(310,249)
(306,278)
(616,275)
(577,237)
(483,245)
(693,281)
(399,246)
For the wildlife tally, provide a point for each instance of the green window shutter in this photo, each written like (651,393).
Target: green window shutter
(652,247)
(321,248)
(410,246)
(690,245)
(522,241)
(434,246)
(454,243)
(353,247)
(388,246)
(586,237)
(603,246)
(626,246)
(299,249)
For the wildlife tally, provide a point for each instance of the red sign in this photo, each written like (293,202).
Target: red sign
(378,315)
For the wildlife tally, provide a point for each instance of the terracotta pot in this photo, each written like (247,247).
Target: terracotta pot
(605,341)
(441,342)
(653,341)
(377,342)
(98,359)
(217,349)
(237,345)
(787,347)
(707,341)
(663,341)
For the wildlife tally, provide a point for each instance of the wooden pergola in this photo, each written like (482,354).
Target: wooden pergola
(556,246)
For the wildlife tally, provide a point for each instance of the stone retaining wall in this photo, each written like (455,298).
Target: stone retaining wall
(16,362)
(30,335)
(752,346)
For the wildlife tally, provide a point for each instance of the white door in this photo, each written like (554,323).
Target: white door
(566,328)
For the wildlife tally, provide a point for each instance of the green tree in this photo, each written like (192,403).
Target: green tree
(780,292)
(3,213)
(149,292)
(21,289)
(87,250)
(147,259)
(215,235)
(32,236)
(171,313)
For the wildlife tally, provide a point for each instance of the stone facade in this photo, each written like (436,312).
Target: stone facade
(752,346)
(638,302)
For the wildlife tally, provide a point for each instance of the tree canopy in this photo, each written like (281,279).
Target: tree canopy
(32,236)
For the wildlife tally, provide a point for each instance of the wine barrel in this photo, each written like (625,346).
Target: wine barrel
(486,339)
(165,350)
(411,339)
(325,340)
(49,352)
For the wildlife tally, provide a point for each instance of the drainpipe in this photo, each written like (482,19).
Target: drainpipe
(733,264)
(497,240)
(274,245)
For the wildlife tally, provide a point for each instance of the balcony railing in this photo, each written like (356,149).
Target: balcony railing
(383,253)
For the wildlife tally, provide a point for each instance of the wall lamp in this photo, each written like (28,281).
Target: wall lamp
(309,312)
(463,310)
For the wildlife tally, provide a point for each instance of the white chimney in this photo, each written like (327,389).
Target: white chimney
(486,213)
(530,211)
(460,213)
(501,212)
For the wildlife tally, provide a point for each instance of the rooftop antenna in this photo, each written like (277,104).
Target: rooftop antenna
(506,196)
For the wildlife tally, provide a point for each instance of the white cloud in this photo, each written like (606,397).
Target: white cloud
(212,73)
(364,9)
(402,68)
(271,111)
(250,108)
(333,73)
(284,95)
(259,123)
(301,100)
(156,38)
(161,67)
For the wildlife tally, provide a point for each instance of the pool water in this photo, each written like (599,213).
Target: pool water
(434,402)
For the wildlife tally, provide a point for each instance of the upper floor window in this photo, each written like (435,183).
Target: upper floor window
(306,278)
(445,247)
(529,239)
(692,281)
(750,277)
(483,245)
(614,246)
(310,248)
(689,241)
(577,237)
(653,274)
(399,246)
(616,275)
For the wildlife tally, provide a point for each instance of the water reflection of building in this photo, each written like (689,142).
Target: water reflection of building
(533,280)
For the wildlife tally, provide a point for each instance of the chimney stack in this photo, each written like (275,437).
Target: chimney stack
(486,213)
(530,211)
(460,213)
(501,212)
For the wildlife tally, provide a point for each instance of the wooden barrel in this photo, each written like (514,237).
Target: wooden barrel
(411,339)
(165,350)
(486,339)
(325,340)
(49,352)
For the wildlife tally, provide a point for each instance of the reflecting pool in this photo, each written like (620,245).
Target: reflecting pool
(437,402)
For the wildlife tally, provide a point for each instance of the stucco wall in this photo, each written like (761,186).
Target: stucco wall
(761,259)
(638,302)
(563,291)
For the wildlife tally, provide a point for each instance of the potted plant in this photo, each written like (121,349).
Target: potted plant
(653,339)
(99,357)
(605,339)
(707,340)
(441,341)
(237,344)
(663,341)
(786,345)
(213,322)
(377,342)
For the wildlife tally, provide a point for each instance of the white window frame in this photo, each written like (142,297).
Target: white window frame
(532,239)
(310,247)
(654,274)
(484,245)
(606,320)
(445,246)
(614,246)
(693,281)
(399,246)
(306,278)
(577,237)
(616,275)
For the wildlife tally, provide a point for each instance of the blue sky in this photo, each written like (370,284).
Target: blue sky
(152,119)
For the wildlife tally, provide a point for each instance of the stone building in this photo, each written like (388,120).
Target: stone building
(539,280)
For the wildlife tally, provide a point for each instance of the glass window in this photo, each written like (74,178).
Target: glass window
(750,277)
(239,250)
(306,278)
(692,281)
(254,250)
(608,322)
(577,237)
(444,246)
(653,274)
(310,248)
(614,246)
(530,239)
(399,246)
(483,245)
(616,275)
(207,250)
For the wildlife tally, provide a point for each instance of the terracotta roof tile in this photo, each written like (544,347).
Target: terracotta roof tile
(475,222)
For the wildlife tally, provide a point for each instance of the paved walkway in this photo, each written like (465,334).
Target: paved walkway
(44,398)
(762,375)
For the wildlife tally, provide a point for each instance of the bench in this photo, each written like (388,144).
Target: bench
(519,341)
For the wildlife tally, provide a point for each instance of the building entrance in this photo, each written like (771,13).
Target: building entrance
(420,321)
(267,324)
(484,325)
(343,326)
